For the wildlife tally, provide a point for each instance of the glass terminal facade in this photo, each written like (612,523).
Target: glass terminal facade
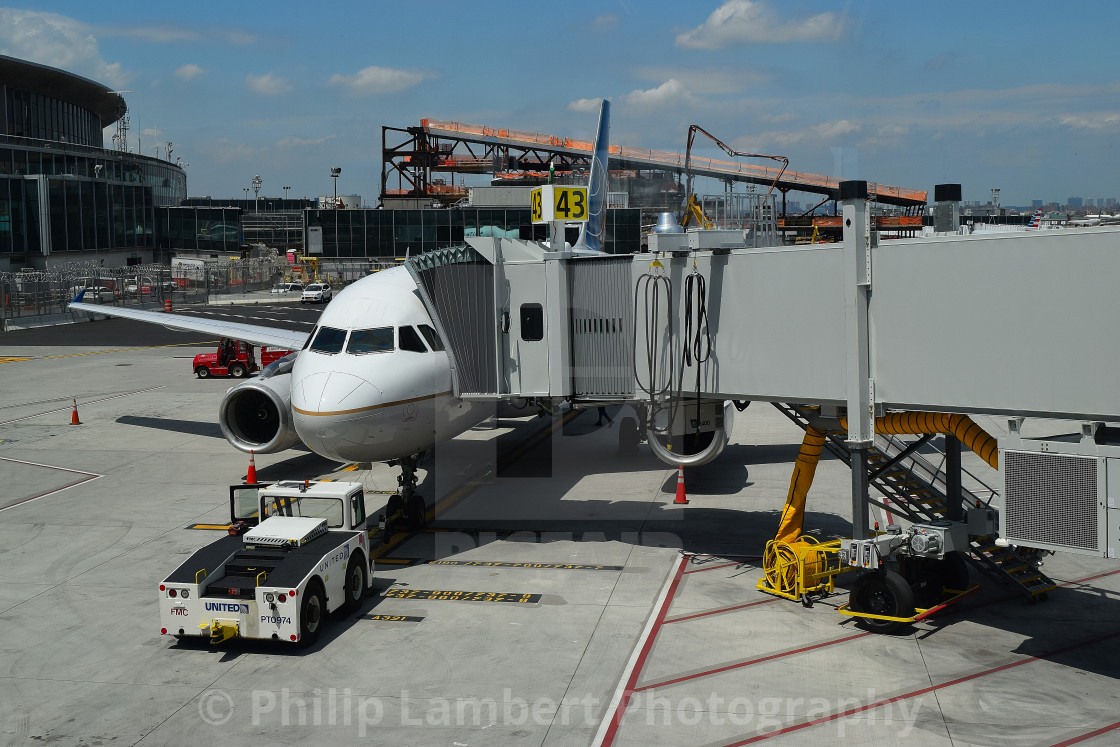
(393,233)
(61,193)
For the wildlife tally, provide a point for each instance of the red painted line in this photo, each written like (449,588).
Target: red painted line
(1088,578)
(616,717)
(713,568)
(750,662)
(722,609)
(922,691)
(1090,735)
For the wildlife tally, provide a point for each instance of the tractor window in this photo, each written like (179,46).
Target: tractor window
(309,507)
(430,335)
(363,341)
(410,340)
(329,340)
(244,503)
(357,509)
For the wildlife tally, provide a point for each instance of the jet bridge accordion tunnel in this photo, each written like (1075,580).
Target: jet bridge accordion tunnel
(1008,325)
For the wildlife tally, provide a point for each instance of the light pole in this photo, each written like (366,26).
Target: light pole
(246,191)
(335,171)
(286,195)
(257,193)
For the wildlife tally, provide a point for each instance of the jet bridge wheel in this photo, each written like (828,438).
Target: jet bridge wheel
(882,593)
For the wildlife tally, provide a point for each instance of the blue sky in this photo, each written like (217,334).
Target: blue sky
(1022,96)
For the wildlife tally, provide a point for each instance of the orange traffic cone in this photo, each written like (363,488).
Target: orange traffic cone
(74,415)
(680,486)
(251,475)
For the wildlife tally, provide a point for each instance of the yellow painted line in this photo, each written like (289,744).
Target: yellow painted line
(396,561)
(125,350)
(12,359)
(462,596)
(350,467)
(223,527)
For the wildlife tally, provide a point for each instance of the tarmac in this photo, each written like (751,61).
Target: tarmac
(641,622)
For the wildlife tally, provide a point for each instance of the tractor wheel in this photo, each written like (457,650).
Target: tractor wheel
(356,584)
(312,613)
(202,372)
(237,370)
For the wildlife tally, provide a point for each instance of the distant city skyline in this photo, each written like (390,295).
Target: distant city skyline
(1018,97)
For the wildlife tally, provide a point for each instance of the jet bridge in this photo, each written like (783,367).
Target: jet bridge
(1021,325)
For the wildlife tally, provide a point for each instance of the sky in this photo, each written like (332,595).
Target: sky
(1021,96)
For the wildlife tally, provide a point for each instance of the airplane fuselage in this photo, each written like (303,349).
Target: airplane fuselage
(369,386)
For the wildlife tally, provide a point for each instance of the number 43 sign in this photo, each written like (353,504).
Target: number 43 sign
(550,203)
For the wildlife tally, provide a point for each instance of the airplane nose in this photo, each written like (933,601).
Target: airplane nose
(337,414)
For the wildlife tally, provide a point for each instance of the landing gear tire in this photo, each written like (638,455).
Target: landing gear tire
(882,593)
(628,437)
(202,372)
(312,612)
(237,371)
(414,511)
(356,585)
(395,504)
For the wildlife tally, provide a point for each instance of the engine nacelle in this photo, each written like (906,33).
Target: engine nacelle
(257,415)
(715,420)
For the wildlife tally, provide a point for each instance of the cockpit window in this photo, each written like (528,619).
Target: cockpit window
(430,335)
(329,340)
(378,340)
(410,340)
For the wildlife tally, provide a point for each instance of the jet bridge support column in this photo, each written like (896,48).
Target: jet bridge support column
(861,395)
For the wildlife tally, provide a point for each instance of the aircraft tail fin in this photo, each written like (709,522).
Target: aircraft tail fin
(593,233)
(1036,221)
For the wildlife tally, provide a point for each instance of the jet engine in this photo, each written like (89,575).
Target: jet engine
(695,436)
(257,415)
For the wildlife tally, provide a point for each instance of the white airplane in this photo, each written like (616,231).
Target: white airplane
(372,382)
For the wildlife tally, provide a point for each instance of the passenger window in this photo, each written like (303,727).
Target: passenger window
(430,335)
(532,322)
(411,341)
(378,340)
(329,340)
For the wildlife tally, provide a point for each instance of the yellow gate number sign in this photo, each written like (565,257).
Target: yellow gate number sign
(550,203)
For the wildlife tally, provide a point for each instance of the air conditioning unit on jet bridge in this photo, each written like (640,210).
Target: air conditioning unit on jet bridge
(1062,493)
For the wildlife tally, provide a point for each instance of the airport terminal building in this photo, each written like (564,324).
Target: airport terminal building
(63,195)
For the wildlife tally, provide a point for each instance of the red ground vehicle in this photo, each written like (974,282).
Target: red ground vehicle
(234,358)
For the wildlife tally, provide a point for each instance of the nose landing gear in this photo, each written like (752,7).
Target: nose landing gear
(407,506)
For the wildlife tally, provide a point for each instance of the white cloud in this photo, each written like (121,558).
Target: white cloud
(268,84)
(585,105)
(825,133)
(374,79)
(752,21)
(152,132)
(1093,121)
(604,23)
(226,151)
(295,142)
(169,33)
(190,70)
(671,93)
(58,41)
(705,81)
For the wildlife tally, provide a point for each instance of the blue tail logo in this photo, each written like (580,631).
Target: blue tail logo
(593,233)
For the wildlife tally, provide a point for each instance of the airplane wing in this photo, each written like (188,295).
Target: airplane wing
(254,333)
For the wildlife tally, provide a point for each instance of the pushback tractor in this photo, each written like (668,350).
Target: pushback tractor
(295,552)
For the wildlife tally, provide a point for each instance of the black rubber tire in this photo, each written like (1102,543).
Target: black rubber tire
(414,513)
(237,371)
(628,436)
(356,583)
(395,504)
(882,593)
(202,372)
(954,571)
(312,613)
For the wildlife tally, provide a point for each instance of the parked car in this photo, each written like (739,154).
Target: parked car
(288,288)
(316,293)
(97,294)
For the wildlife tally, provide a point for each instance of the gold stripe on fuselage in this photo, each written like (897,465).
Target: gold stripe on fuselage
(371,407)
